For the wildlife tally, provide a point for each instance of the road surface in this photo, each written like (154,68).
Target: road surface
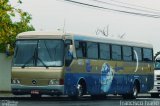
(142,100)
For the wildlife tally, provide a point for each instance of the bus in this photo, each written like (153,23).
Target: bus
(156,89)
(55,63)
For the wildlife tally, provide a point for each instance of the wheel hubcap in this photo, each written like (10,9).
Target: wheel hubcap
(135,91)
(80,90)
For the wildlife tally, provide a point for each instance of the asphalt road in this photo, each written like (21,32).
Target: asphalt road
(142,100)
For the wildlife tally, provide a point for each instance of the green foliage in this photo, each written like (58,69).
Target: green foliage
(10,29)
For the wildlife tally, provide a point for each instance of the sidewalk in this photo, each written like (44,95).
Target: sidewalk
(6,94)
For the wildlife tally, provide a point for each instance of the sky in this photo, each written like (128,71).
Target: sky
(51,15)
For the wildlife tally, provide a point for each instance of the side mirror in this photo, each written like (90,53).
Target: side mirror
(69,52)
(8,50)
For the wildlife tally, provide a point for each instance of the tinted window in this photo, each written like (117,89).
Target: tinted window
(137,53)
(116,52)
(127,53)
(92,50)
(25,53)
(104,51)
(50,53)
(147,54)
(43,53)
(80,49)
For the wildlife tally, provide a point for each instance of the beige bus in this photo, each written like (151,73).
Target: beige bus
(49,63)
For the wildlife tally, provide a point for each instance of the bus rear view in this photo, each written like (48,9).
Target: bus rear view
(37,66)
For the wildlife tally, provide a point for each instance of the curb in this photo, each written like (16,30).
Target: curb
(6,94)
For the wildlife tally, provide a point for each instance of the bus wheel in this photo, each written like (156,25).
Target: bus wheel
(79,93)
(135,91)
(35,96)
(80,90)
(154,95)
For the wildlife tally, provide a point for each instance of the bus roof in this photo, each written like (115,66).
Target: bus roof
(60,35)
(40,35)
(112,41)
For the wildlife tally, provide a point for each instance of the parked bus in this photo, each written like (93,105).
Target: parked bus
(156,89)
(48,63)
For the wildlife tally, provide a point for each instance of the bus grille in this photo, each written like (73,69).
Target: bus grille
(158,88)
(158,77)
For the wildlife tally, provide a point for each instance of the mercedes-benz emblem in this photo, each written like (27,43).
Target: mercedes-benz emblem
(34,82)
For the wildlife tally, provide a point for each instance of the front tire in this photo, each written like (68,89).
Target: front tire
(80,91)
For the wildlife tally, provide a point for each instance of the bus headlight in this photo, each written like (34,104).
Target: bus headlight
(54,82)
(51,82)
(16,82)
(13,81)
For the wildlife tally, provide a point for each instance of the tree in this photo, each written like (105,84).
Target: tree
(8,28)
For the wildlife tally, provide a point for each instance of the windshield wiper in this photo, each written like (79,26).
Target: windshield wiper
(15,55)
(42,62)
(47,49)
(33,57)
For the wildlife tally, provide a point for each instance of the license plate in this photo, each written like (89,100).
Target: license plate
(34,92)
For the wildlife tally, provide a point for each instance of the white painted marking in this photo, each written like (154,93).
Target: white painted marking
(136,61)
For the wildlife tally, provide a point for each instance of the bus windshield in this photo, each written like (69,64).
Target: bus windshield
(38,53)
(157,65)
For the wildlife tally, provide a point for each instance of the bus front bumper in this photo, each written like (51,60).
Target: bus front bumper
(18,89)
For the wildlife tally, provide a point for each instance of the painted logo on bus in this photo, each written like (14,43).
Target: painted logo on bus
(88,66)
(137,63)
(107,75)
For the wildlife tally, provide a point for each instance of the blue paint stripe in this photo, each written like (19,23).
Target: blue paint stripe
(121,83)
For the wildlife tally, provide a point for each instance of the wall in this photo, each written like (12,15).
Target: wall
(5,72)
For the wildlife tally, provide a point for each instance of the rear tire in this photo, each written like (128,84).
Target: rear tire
(134,93)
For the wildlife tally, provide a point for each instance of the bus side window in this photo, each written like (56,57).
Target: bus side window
(92,50)
(104,51)
(116,52)
(127,53)
(80,49)
(147,54)
(137,51)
